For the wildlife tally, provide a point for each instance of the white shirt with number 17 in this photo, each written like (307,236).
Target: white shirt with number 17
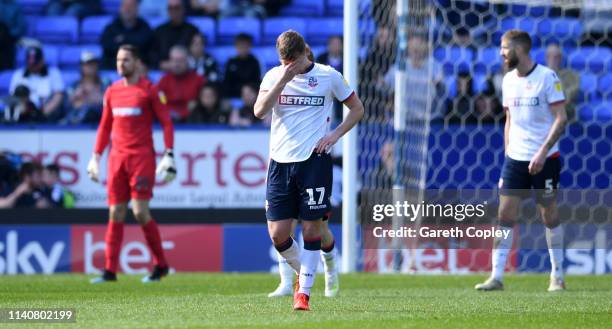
(528,98)
(302,114)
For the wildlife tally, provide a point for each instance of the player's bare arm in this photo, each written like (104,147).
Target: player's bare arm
(506,131)
(267,99)
(537,163)
(356,111)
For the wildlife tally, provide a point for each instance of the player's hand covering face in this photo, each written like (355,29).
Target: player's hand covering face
(167,167)
(290,70)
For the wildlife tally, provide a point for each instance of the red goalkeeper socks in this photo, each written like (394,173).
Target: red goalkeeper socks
(114,237)
(151,233)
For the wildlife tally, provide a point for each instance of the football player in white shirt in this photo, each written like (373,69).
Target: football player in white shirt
(300,94)
(533,100)
(329,253)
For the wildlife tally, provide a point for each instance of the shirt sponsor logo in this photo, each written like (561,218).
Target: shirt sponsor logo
(301,100)
(126,111)
(525,101)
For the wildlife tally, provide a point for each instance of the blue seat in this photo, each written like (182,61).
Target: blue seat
(605,85)
(50,53)
(454,59)
(222,54)
(320,29)
(70,77)
(155,75)
(155,21)
(335,7)
(5,82)
(111,75)
(70,56)
(272,27)
(206,25)
(488,61)
(595,111)
(111,7)
(304,8)
(92,28)
(527,24)
(565,31)
(588,87)
(56,29)
(593,59)
(228,28)
(32,7)
(267,56)
(539,55)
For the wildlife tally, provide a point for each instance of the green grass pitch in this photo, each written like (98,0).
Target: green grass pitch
(366,301)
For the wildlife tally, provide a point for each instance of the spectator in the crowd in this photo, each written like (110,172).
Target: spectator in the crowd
(44,83)
(153,8)
(461,107)
(244,116)
(333,55)
(53,190)
(86,95)
(421,85)
(210,108)
(488,105)
(201,61)
(245,8)
(181,85)
(29,193)
(21,109)
(210,8)
(570,80)
(177,31)
(9,175)
(127,28)
(242,69)
(380,57)
(12,27)
(76,8)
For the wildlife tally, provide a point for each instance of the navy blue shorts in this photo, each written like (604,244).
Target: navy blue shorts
(299,190)
(516,180)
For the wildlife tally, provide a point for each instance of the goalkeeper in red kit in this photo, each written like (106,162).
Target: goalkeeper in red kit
(130,106)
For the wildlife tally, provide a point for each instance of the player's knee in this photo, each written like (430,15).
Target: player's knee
(550,217)
(279,238)
(142,216)
(311,230)
(117,213)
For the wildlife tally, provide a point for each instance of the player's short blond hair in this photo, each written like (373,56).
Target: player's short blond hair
(290,45)
(518,37)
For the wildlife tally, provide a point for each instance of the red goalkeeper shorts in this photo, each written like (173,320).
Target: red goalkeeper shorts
(130,176)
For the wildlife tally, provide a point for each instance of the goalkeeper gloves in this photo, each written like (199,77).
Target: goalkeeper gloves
(167,167)
(93,167)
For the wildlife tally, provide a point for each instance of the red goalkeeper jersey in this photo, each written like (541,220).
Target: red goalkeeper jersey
(127,118)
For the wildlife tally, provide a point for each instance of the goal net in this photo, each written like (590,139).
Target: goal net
(430,78)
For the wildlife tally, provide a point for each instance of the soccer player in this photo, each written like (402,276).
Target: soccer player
(130,106)
(533,100)
(328,253)
(300,94)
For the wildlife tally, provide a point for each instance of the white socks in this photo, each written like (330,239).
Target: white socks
(310,260)
(285,271)
(554,239)
(501,249)
(291,255)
